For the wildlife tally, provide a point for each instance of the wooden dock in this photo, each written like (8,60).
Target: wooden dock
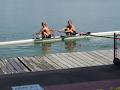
(55,61)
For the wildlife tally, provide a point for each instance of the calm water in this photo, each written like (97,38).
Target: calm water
(19,19)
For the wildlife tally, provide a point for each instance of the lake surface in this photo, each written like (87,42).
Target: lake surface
(19,19)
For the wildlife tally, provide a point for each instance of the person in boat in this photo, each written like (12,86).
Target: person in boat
(70,29)
(45,31)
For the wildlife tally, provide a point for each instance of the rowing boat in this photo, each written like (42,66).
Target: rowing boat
(58,38)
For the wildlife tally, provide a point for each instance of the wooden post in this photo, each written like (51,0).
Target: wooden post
(116,60)
(114,46)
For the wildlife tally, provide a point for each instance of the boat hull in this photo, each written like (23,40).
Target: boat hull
(58,38)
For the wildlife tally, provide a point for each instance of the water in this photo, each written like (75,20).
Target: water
(19,19)
(86,44)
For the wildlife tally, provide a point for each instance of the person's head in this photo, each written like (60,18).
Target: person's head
(42,24)
(46,24)
(69,22)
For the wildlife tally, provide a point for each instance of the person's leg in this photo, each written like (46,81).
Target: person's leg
(68,33)
(74,33)
(43,36)
(71,33)
(49,36)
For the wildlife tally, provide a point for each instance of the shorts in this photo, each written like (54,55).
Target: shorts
(49,36)
(69,33)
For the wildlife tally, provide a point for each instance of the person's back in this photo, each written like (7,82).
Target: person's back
(47,30)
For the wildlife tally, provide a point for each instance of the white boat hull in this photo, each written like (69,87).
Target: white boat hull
(57,38)
(17,42)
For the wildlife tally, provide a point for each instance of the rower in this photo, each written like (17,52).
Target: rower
(70,29)
(45,31)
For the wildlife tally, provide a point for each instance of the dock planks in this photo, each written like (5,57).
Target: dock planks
(55,61)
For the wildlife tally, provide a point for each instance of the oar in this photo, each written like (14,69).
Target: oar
(101,36)
(60,30)
(105,37)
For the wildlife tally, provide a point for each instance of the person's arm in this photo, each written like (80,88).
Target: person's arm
(66,29)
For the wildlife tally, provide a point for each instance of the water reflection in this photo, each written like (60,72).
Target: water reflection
(46,48)
(70,45)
